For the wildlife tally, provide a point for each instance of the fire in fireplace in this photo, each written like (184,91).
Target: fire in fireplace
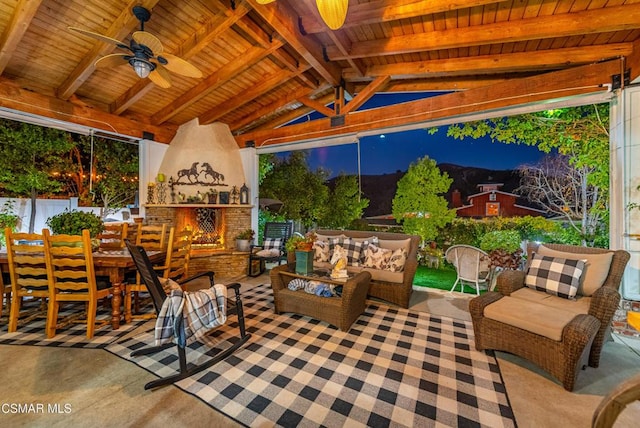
(207,224)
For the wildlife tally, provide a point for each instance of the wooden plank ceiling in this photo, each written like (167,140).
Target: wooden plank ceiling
(264,65)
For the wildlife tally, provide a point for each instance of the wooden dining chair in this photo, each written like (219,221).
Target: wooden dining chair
(113,236)
(151,238)
(5,289)
(176,264)
(28,276)
(72,278)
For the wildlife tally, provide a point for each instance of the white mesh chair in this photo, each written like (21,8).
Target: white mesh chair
(472,265)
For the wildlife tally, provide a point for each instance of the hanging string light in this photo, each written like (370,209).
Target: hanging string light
(333,12)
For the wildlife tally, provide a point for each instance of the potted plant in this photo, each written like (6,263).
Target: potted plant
(73,222)
(300,242)
(302,245)
(244,240)
(503,247)
(7,219)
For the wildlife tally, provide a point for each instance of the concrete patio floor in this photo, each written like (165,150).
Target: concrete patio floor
(100,389)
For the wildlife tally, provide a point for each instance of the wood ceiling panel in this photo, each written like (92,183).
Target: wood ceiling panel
(258,52)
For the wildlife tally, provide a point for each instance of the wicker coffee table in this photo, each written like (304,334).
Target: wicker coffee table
(339,311)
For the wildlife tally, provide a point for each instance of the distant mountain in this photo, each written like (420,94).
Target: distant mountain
(380,189)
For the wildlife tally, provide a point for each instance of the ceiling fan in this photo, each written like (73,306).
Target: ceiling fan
(145,54)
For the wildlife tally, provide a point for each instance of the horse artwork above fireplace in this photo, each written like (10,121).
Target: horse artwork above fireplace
(203,175)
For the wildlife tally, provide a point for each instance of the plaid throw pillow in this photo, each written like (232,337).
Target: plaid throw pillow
(272,244)
(554,275)
(353,251)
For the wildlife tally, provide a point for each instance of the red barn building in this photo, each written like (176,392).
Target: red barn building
(491,202)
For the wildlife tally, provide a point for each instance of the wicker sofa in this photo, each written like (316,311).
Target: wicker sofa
(523,321)
(394,287)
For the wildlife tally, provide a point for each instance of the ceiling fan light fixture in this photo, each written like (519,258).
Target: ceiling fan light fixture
(141,67)
(333,12)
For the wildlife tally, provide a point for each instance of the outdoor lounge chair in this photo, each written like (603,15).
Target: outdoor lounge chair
(275,238)
(151,279)
(560,335)
(472,265)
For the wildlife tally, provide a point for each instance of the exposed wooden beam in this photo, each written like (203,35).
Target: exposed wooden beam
(119,29)
(292,115)
(391,10)
(14,97)
(269,109)
(368,92)
(22,15)
(554,26)
(343,44)
(633,61)
(500,63)
(262,88)
(441,84)
(558,84)
(317,106)
(214,81)
(283,20)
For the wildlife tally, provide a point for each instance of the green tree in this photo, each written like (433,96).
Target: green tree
(418,203)
(579,133)
(345,203)
(115,170)
(28,153)
(303,192)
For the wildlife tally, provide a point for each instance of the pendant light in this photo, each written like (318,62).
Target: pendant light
(333,12)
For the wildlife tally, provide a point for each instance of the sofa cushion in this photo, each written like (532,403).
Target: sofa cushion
(327,238)
(394,244)
(354,249)
(535,317)
(268,252)
(376,257)
(397,260)
(595,273)
(554,275)
(321,251)
(580,305)
(272,243)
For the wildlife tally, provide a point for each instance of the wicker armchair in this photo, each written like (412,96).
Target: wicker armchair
(582,338)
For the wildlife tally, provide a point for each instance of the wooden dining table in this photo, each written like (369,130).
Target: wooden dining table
(115,264)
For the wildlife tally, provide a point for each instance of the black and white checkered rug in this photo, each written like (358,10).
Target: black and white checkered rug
(72,336)
(393,368)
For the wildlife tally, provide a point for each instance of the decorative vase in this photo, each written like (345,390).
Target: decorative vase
(304,262)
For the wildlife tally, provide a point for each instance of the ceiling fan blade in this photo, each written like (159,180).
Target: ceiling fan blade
(112,60)
(100,37)
(149,40)
(178,65)
(160,76)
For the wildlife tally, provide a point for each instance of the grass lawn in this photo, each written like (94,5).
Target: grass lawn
(442,279)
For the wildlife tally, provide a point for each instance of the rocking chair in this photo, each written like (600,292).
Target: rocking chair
(158,295)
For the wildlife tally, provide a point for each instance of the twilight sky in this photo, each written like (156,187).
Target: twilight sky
(392,152)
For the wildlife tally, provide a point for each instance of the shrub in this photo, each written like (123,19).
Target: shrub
(73,222)
(8,219)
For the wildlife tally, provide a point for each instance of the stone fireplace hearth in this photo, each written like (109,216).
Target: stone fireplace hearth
(212,249)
